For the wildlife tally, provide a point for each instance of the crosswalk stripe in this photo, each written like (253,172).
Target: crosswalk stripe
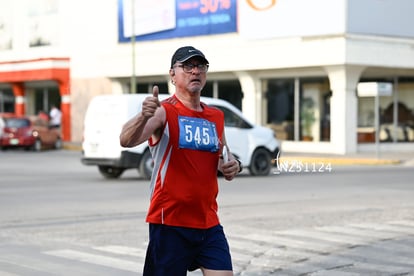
(325,236)
(403,222)
(366,268)
(369,234)
(318,266)
(401,256)
(5,273)
(384,227)
(291,246)
(241,257)
(250,246)
(97,259)
(289,242)
(122,250)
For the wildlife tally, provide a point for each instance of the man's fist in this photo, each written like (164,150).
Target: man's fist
(150,104)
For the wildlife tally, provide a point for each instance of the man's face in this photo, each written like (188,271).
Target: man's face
(190,75)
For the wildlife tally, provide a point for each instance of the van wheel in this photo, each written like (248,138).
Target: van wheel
(261,162)
(146,166)
(110,172)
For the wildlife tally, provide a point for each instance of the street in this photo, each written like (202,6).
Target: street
(59,217)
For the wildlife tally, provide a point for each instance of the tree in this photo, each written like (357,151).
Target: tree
(307,117)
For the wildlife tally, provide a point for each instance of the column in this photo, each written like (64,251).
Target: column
(19,94)
(253,98)
(65,108)
(344,110)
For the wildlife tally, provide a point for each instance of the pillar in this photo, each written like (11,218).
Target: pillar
(65,107)
(19,94)
(344,110)
(253,98)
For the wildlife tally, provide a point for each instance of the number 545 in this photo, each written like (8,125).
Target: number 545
(197,134)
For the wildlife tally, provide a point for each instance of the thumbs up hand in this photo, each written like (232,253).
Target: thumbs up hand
(151,103)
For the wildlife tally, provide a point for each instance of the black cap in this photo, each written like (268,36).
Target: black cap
(185,53)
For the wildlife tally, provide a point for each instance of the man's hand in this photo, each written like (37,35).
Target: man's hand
(230,169)
(150,104)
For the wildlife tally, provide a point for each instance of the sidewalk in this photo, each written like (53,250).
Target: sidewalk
(364,158)
(72,146)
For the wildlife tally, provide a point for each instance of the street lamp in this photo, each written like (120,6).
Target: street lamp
(133,77)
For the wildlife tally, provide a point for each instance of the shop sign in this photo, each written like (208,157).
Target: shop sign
(373,89)
(163,19)
(263,19)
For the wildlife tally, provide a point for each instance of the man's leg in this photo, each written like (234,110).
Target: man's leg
(167,253)
(209,272)
(214,256)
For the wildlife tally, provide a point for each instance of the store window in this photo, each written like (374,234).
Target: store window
(229,90)
(208,90)
(6,100)
(280,107)
(314,104)
(43,99)
(146,88)
(396,114)
(311,98)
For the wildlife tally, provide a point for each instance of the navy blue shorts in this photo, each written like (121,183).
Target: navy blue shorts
(176,250)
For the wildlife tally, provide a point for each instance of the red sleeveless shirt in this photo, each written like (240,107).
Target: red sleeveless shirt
(184,183)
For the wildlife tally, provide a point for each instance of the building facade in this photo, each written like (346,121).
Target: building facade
(292,65)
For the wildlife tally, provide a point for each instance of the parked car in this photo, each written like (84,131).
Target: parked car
(27,132)
(255,146)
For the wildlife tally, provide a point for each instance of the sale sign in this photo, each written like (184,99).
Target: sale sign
(150,20)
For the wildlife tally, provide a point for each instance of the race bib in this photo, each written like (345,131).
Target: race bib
(197,134)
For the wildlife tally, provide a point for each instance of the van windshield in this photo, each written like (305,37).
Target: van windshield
(231,119)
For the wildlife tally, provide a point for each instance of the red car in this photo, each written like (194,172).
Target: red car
(27,132)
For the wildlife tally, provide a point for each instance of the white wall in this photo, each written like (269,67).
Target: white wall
(291,18)
(381,17)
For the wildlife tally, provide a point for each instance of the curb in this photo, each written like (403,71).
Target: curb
(301,159)
(340,161)
(71,146)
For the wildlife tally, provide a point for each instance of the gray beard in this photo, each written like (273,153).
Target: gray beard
(196,90)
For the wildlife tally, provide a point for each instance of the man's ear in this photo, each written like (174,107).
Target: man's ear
(172,74)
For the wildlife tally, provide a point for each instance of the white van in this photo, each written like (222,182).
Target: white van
(254,146)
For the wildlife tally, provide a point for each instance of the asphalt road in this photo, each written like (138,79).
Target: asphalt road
(58,217)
